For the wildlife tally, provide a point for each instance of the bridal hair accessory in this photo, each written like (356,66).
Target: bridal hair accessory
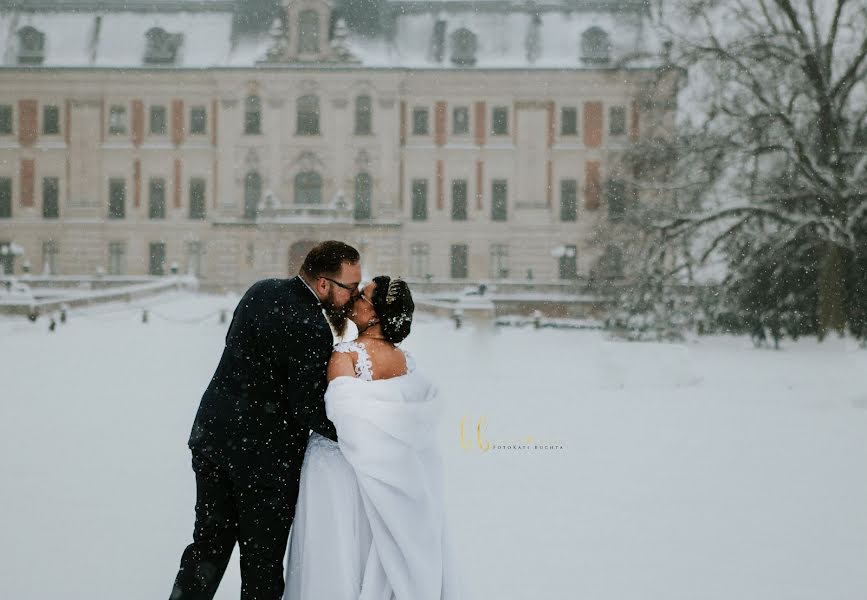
(393,304)
(391,294)
(399,320)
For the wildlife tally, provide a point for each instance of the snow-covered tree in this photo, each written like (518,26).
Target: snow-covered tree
(769,172)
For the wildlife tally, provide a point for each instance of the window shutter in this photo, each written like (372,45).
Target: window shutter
(177,183)
(136,183)
(592,186)
(593,124)
(177,122)
(28,172)
(27,122)
(479,120)
(440,123)
(137,122)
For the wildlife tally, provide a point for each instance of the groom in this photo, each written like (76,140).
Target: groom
(251,430)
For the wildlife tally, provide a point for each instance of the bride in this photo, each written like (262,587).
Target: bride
(370,521)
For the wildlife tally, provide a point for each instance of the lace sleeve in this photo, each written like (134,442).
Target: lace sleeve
(344,347)
(363,366)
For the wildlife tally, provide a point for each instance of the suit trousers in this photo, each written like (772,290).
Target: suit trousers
(228,512)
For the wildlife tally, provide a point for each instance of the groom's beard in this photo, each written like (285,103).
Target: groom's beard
(338,317)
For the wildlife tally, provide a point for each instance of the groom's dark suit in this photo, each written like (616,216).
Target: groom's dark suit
(249,438)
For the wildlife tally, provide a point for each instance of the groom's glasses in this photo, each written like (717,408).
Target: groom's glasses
(350,288)
(361,296)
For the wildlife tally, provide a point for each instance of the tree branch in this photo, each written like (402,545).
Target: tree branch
(832,34)
(817,42)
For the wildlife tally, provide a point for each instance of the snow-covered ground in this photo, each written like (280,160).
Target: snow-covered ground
(708,470)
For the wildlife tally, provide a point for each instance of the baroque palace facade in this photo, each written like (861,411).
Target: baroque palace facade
(468,141)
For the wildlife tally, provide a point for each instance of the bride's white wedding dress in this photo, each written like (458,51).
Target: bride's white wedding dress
(370,522)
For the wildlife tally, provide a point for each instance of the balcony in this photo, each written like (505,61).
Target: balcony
(305,213)
(271,211)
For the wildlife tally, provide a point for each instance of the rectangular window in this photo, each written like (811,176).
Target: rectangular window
(617,120)
(419,121)
(307,118)
(459,200)
(198,120)
(117,120)
(615,196)
(419,260)
(499,200)
(157,199)
(500,121)
(116,198)
(5,119)
(194,258)
(461,120)
(158,120)
(569,263)
(157,255)
(50,198)
(363,185)
(499,261)
(569,120)
(117,258)
(49,257)
(50,120)
(611,263)
(419,199)
(459,260)
(568,200)
(253,115)
(197,198)
(5,197)
(363,115)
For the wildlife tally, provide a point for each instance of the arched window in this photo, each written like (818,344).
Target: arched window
(297,253)
(595,46)
(363,185)
(31,46)
(308,32)
(308,188)
(252,194)
(363,115)
(252,115)
(464,45)
(308,115)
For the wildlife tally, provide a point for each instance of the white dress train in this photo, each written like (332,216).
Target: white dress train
(370,522)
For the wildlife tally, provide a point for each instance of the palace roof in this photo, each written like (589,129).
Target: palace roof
(416,34)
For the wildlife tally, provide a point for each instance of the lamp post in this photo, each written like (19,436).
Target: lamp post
(12,250)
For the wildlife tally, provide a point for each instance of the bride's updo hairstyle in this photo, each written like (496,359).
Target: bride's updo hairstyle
(393,304)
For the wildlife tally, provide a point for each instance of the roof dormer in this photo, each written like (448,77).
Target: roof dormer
(464,44)
(162,47)
(595,46)
(31,46)
(308,24)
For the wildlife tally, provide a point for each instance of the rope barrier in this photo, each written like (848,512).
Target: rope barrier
(190,321)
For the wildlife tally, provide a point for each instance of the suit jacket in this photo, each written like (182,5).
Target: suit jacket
(255,417)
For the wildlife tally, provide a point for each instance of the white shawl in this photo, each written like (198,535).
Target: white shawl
(387,430)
